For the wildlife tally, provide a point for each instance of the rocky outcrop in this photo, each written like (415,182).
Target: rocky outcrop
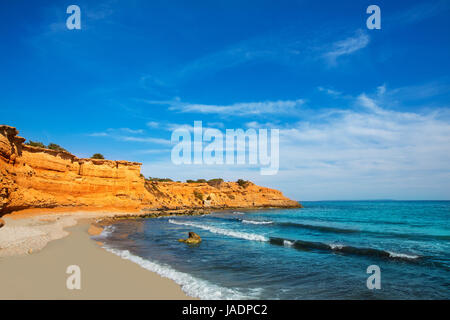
(179,195)
(192,239)
(33,177)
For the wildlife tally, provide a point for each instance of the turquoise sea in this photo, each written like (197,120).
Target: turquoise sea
(321,251)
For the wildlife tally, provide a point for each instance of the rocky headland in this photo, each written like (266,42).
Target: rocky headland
(39,178)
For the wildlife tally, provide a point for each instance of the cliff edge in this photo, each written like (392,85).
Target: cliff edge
(34,177)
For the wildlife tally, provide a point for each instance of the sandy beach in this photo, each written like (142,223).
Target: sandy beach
(35,251)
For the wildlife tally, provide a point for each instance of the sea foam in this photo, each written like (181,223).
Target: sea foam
(106,232)
(256,222)
(191,285)
(226,232)
(402,255)
(288,243)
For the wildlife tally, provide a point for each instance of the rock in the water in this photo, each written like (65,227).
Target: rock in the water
(192,239)
(2,223)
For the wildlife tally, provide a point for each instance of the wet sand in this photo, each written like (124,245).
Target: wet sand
(40,273)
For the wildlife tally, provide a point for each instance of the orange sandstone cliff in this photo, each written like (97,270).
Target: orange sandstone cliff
(32,177)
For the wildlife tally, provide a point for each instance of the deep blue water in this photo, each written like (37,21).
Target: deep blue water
(319,252)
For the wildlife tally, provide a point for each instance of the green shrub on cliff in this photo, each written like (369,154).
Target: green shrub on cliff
(56,147)
(51,146)
(159,179)
(197,181)
(215,182)
(97,156)
(35,144)
(243,183)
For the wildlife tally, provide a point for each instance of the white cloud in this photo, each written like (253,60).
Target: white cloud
(131,131)
(372,152)
(347,46)
(216,124)
(329,91)
(381,90)
(236,109)
(152,124)
(145,139)
(127,134)
(98,134)
(113,132)
(368,152)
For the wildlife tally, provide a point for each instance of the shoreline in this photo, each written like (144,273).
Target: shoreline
(32,229)
(28,247)
(33,265)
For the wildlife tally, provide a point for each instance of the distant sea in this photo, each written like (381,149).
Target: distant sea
(319,252)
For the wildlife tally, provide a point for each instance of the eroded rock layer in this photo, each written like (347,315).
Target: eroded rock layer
(32,177)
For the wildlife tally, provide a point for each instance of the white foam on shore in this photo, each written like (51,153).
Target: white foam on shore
(401,255)
(288,243)
(191,285)
(256,222)
(230,233)
(108,230)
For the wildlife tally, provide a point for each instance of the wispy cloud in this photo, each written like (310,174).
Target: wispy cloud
(153,124)
(132,135)
(171,126)
(419,12)
(116,131)
(419,92)
(145,139)
(283,47)
(267,47)
(347,46)
(366,151)
(329,91)
(236,109)
(390,150)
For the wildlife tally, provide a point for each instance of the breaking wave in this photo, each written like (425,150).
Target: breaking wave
(256,222)
(311,245)
(305,245)
(191,285)
(226,232)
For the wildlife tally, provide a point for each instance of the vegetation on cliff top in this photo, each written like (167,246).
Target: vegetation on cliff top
(35,144)
(56,147)
(196,181)
(215,182)
(159,179)
(97,156)
(212,182)
(51,146)
(243,183)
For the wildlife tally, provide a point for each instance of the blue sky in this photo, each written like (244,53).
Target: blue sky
(363,114)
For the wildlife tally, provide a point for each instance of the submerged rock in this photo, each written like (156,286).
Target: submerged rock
(192,239)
